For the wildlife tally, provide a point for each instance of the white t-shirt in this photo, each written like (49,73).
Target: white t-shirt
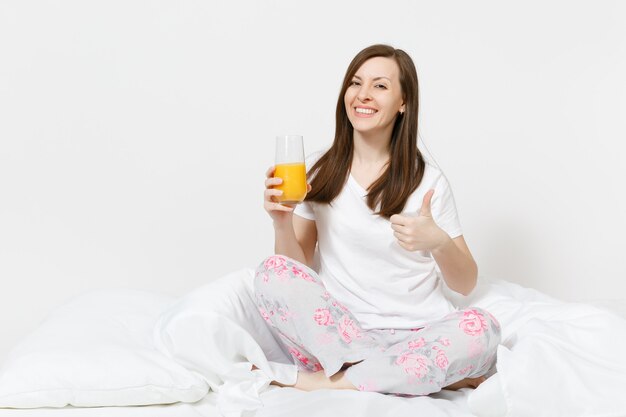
(362,265)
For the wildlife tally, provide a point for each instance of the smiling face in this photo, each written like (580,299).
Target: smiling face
(374,97)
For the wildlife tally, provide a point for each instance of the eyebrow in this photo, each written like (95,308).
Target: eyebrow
(375,79)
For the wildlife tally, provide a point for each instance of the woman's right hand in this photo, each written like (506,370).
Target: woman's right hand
(278,212)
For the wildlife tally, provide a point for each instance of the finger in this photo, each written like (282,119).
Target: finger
(273,206)
(403,245)
(398,219)
(402,238)
(270,193)
(282,207)
(407,240)
(425,209)
(270,172)
(270,182)
(399,228)
(308,188)
(407,246)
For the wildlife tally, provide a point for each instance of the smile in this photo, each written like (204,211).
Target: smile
(365,111)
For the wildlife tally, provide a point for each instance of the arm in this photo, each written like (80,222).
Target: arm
(296,239)
(452,255)
(457,264)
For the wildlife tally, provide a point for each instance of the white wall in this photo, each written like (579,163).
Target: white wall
(134,135)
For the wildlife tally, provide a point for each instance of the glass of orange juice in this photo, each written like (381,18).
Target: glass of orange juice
(289,166)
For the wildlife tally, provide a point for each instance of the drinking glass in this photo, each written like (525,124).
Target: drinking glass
(289,165)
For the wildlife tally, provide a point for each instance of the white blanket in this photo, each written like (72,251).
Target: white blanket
(556,359)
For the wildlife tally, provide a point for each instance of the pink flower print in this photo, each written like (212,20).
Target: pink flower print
(317,367)
(286,314)
(348,330)
(416,344)
(299,273)
(265,277)
(326,295)
(264,314)
(282,272)
(444,341)
(473,323)
(465,371)
(322,317)
(274,262)
(298,355)
(414,364)
(368,386)
(441,360)
(341,306)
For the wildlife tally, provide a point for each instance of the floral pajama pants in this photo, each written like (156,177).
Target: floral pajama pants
(321,334)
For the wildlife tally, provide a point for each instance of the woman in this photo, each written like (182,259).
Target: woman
(385,224)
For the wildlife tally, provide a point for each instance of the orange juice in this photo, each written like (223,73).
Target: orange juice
(294,182)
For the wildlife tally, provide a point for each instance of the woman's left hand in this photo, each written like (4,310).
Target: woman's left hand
(419,232)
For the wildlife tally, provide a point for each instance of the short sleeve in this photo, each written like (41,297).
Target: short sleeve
(305,210)
(444,210)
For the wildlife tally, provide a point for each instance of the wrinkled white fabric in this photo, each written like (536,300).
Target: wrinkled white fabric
(556,358)
(217,332)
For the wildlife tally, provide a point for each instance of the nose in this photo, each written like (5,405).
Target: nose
(364,94)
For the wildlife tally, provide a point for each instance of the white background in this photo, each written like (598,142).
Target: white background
(134,135)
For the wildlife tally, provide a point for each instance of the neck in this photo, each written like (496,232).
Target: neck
(371,149)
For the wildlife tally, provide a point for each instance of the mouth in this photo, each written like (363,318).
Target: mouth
(365,111)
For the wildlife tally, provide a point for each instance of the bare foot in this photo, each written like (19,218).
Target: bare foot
(466,383)
(273,382)
(311,381)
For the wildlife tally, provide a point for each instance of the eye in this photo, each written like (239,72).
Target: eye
(354,82)
(382,86)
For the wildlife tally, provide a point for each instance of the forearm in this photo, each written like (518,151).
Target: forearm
(286,243)
(458,268)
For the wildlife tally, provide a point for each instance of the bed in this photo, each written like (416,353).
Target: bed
(135,353)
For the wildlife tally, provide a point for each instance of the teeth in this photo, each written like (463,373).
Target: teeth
(365,111)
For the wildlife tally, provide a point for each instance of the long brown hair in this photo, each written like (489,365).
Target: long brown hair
(390,192)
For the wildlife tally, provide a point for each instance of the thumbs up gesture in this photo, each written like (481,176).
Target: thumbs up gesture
(418,232)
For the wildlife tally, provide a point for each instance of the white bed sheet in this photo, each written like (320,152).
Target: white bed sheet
(557,359)
(203,408)
(283,402)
